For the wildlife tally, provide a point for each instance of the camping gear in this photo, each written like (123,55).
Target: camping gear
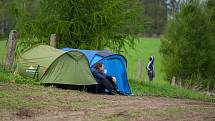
(115,65)
(53,66)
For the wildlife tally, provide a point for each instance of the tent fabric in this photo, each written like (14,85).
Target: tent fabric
(41,56)
(70,66)
(115,67)
(89,55)
(54,66)
(114,63)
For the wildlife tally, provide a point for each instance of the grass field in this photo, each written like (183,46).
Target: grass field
(143,50)
(158,87)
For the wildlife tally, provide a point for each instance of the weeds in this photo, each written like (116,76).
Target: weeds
(162,89)
(8,76)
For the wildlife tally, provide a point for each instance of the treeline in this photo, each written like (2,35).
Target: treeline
(7,17)
(155,17)
(152,13)
(86,24)
(188,46)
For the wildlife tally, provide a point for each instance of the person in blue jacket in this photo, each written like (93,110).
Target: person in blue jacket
(108,81)
(150,68)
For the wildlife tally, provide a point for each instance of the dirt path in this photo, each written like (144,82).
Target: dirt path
(60,105)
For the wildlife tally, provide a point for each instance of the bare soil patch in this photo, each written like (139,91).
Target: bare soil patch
(69,105)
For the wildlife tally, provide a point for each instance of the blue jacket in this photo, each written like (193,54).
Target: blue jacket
(100,76)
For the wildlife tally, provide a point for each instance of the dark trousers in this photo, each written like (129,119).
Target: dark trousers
(110,79)
(151,75)
(108,83)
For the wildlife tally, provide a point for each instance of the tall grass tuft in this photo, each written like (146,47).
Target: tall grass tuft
(8,76)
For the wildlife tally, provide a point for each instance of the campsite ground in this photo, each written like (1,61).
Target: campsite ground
(20,102)
(29,101)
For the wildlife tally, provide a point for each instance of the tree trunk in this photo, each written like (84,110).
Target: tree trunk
(53,40)
(11,47)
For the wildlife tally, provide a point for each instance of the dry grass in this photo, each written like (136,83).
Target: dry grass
(26,102)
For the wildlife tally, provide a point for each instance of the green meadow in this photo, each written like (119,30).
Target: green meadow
(144,48)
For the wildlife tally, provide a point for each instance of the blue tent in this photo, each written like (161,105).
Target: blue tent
(114,63)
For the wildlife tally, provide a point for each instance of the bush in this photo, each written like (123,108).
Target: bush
(211,12)
(188,46)
(84,24)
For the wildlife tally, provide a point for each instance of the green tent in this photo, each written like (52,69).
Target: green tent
(54,66)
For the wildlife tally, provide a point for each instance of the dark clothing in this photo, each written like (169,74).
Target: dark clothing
(150,68)
(151,75)
(104,79)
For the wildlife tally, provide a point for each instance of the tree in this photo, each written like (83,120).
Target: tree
(155,16)
(211,13)
(157,13)
(173,6)
(7,20)
(188,46)
(84,24)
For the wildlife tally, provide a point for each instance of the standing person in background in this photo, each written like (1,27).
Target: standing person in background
(150,68)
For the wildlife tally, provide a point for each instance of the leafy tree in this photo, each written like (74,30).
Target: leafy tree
(173,6)
(188,45)
(7,18)
(211,13)
(85,24)
(155,16)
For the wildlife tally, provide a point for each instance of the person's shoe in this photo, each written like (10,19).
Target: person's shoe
(112,92)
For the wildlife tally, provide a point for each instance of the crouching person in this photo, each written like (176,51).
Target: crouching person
(101,77)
